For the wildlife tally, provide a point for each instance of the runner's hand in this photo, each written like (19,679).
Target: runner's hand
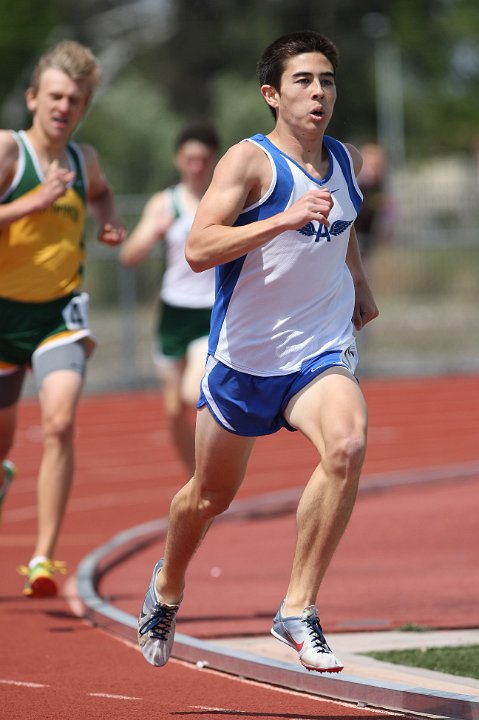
(313,205)
(55,185)
(112,233)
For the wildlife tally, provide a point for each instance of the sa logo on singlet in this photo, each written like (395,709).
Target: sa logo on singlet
(338,227)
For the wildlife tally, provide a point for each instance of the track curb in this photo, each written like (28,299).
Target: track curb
(393,696)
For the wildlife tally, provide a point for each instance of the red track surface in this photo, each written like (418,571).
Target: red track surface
(406,557)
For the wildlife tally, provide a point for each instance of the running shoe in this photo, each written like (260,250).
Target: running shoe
(8,475)
(156,625)
(304,634)
(40,582)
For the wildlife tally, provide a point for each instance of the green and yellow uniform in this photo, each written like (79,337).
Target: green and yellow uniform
(41,264)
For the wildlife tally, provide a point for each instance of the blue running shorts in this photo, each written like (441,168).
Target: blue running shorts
(250,405)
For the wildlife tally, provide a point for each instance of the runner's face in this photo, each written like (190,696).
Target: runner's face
(59,103)
(195,162)
(307,93)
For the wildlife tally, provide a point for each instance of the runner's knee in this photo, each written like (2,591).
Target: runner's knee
(212,503)
(58,425)
(344,455)
(175,410)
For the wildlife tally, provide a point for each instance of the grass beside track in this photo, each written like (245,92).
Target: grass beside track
(463,661)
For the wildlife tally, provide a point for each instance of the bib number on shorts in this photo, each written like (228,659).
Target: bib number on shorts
(75,314)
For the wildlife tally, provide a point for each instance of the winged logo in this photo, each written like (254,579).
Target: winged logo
(339,226)
(308,229)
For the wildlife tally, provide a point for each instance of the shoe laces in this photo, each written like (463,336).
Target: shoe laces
(49,565)
(316,632)
(160,621)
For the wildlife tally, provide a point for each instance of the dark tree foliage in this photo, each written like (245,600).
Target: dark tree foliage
(197,57)
(436,39)
(24,27)
(213,35)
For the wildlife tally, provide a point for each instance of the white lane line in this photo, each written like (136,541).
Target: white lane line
(114,697)
(20,683)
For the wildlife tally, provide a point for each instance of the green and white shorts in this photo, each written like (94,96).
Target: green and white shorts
(29,331)
(177,328)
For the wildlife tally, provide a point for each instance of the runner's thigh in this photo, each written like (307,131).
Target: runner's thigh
(70,356)
(330,407)
(11,384)
(221,456)
(194,371)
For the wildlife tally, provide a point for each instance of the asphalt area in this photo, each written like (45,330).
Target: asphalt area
(406,558)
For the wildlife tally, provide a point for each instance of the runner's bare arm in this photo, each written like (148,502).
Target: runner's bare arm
(53,187)
(155,220)
(365,308)
(101,202)
(356,158)
(241,177)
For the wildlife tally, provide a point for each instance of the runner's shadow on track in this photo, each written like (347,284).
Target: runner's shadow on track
(39,610)
(122,597)
(49,613)
(273,716)
(113,599)
(221,618)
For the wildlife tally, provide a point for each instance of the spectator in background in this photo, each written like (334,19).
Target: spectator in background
(45,183)
(373,224)
(186,298)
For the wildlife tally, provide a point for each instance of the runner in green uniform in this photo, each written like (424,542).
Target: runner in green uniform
(46,181)
(186,298)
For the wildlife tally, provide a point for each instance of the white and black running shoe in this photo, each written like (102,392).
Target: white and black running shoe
(304,634)
(156,625)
